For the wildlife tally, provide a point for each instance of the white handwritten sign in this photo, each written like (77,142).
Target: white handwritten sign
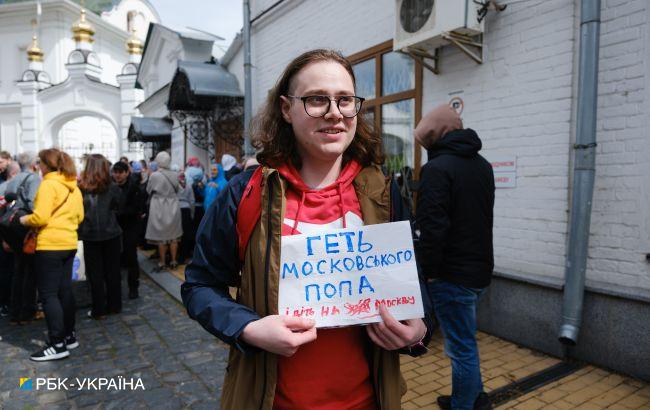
(340,277)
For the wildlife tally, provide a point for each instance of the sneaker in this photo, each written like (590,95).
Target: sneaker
(71,341)
(4,310)
(51,352)
(98,317)
(482,402)
(444,402)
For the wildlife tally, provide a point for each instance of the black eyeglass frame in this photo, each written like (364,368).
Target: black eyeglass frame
(329,106)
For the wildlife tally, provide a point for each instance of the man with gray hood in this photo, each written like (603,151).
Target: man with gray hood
(454,252)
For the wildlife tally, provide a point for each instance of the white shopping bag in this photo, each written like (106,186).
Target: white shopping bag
(79,266)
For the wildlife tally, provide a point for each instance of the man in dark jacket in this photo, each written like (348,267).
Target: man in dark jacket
(454,217)
(129,218)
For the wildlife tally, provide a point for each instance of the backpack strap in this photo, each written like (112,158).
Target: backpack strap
(249,210)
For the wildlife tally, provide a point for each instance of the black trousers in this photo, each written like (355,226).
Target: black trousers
(23,288)
(198,216)
(102,260)
(187,241)
(54,280)
(130,239)
(6,274)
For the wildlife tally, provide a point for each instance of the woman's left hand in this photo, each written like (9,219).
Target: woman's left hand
(392,334)
(23,219)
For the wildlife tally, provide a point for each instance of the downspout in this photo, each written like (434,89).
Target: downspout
(248,103)
(583,173)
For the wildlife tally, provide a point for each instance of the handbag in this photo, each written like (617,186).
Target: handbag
(29,243)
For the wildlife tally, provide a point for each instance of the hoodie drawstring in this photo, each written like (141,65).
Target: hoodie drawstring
(338,188)
(295,222)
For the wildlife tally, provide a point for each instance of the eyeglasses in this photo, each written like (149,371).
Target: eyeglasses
(317,106)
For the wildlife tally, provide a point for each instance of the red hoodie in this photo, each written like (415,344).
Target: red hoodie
(331,372)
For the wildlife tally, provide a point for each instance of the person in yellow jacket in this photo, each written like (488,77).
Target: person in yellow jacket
(58,211)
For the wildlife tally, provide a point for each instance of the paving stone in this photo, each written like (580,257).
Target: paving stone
(410,406)
(552,396)
(635,401)
(207,405)
(530,404)
(130,345)
(50,397)
(427,388)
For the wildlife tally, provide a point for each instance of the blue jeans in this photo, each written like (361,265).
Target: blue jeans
(455,309)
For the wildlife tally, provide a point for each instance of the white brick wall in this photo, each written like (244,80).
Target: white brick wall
(619,232)
(520,101)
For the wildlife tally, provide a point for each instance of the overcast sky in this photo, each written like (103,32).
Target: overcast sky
(220,17)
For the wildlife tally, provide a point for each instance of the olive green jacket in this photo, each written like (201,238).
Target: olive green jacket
(250,381)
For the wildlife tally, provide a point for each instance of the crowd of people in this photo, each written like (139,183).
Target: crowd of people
(50,213)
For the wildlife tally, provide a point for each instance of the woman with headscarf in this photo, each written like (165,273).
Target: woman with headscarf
(230,166)
(216,183)
(164,226)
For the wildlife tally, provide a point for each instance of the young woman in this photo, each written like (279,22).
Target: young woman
(58,211)
(321,166)
(102,237)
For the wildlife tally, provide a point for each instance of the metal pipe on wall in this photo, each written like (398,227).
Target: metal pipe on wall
(248,96)
(583,173)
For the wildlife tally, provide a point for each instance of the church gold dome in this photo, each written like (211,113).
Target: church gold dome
(133,44)
(34,52)
(82,30)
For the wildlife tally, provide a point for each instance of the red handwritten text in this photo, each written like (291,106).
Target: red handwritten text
(362,307)
(327,311)
(404,300)
(303,311)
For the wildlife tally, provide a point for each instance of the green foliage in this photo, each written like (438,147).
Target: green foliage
(394,163)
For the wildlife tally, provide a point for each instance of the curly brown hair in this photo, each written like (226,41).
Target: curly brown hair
(274,137)
(96,176)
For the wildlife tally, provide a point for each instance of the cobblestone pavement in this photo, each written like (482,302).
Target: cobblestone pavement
(180,364)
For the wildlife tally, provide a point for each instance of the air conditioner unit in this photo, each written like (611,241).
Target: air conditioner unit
(425,24)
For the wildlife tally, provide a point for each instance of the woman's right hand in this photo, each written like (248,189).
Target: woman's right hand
(282,335)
